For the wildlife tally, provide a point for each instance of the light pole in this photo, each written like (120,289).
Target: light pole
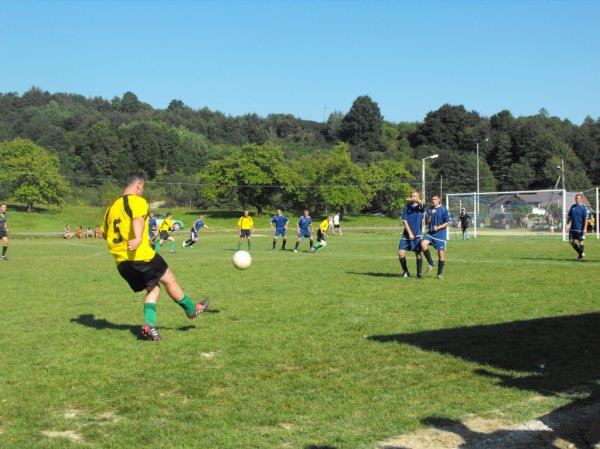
(477,206)
(433,156)
(561,167)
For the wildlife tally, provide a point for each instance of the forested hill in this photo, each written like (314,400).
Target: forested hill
(293,161)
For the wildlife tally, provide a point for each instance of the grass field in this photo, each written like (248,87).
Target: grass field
(324,351)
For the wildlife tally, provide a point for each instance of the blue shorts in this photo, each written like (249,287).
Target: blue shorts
(438,244)
(279,232)
(576,235)
(194,235)
(245,233)
(304,233)
(410,245)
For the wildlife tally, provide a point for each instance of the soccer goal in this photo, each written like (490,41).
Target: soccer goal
(515,213)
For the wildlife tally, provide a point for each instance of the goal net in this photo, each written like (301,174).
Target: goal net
(514,213)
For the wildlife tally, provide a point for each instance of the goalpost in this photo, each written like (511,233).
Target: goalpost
(514,213)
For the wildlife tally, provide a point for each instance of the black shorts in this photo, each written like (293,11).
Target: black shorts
(3,233)
(164,235)
(143,275)
(320,235)
(245,233)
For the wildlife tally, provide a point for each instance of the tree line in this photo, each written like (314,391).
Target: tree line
(57,148)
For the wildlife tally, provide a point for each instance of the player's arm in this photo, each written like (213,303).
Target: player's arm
(411,236)
(138,230)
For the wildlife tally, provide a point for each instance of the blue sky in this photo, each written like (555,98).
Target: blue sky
(310,58)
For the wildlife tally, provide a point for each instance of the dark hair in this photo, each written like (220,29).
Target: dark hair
(131,178)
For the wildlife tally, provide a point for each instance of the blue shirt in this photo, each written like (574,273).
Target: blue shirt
(280,221)
(577,216)
(151,225)
(439,215)
(413,215)
(304,223)
(198,224)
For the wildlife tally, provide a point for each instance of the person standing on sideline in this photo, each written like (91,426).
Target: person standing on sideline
(279,221)
(245,227)
(3,231)
(304,228)
(163,231)
(412,218)
(198,224)
(437,219)
(322,233)
(465,220)
(336,223)
(125,229)
(577,223)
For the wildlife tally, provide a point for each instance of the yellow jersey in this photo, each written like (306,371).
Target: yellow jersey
(245,223)
(166,225)
(118,229)
(324,225)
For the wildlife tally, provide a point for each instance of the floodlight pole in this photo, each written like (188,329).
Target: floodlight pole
(433,156)
(477,205)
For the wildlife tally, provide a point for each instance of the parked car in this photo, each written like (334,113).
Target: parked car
(504,221)
(178,225)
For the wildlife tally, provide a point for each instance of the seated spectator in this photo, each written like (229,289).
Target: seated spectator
(79,232)
(89,234)
(67,232)
(98,233)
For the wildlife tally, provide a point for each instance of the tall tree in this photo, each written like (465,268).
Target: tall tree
(361,128)
(31,174)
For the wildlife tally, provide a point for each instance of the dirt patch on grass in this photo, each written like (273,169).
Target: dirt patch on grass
(576,426)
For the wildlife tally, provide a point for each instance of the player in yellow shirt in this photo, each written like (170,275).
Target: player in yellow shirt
(163,232)
(125,229)
(322,233)
(245,227)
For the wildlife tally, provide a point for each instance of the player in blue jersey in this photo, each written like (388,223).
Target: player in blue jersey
(437,220)
(412,218)
(280,223)
(196,227)
(304,228)
(577,222)
(152,228)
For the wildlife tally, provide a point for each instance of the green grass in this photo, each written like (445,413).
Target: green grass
(332,350)
(53,219)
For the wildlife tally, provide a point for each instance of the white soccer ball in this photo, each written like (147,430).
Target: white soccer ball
(241,259)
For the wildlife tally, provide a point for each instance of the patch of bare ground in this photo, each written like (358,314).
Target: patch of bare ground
(575,426)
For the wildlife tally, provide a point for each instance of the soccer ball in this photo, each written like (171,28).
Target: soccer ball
(241,260)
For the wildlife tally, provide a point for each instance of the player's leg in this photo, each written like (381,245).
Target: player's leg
(419,264)
(283,242)
(176,293)
(311,243)
(274,240)
(581,249)
(298,242)
(425,248)
(575,246)
(249,243)
(402,259)
(4,247)
(440,245)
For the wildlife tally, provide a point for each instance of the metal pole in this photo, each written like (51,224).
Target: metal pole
(597,216)
(423,179)
(477,204)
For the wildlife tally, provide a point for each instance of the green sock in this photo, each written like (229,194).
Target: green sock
(249,246)
(157,247)
(187,305)
(171,246)
(239,246)
(150,314)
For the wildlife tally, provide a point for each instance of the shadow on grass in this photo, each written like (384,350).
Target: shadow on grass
(89,320)
(377,275)
(313,446)
(547,355)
